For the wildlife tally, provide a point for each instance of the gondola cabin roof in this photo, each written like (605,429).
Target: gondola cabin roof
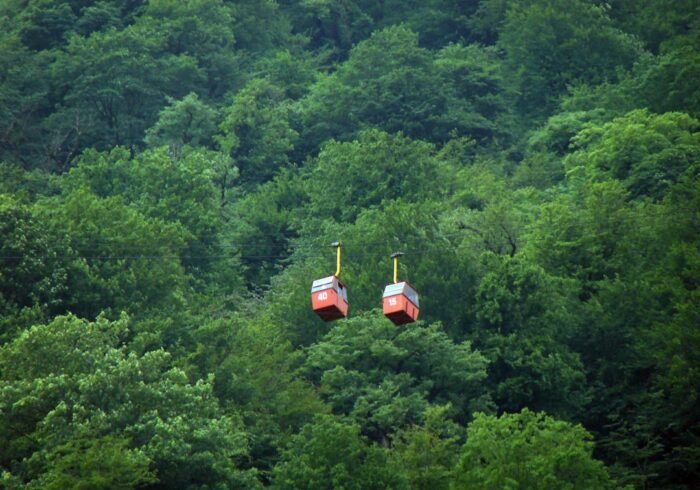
(324,283)
(330,282)
(403,288)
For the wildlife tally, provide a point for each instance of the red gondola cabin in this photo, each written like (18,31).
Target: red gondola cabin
(401,303)
(329,298)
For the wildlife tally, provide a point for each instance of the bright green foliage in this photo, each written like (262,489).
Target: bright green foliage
(579,235)
(188,164)
(72,381)
(391,83)
(428,453)
(542,166)
(633,263)
(492,217)
(180,191)
(184,122)
(385,377)
(114,84)
(259,26)
(294,73)
(550,44)
(413,227)
(34,265)
(122,258)
(663,83)
(102,15)
(254,373)
(202,30)
(349,177)
(32,269)
(377,232)
(262,225)
(524,321)
(105,463)
(474,88)
(331,454)
(528,450)
(646,152)
(257,132)
(154,182)
(676,343)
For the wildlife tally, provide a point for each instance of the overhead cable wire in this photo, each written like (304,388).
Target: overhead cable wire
(312,247)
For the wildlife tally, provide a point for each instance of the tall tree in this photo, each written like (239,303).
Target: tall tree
(550,44)
(528,450)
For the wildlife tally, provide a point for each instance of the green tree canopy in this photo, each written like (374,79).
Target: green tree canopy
(385,378)
(550,44)
(528,450)
(329,453)
(72,379)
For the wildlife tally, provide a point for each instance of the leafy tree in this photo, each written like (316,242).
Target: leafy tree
(542,165)
(579,234)
(328,453)
(550,44)
(487,20)
(617,250)
(184,122)
(203,30)
(428,453)
(105,463)
(335,26)
(385,378)
(375,167)
(71,383)
(46,23)
(257,132)
(649,433)
(260,26)
(112,84)
(100,16)
(178,190)
(23,89)
(31,270)
(293,72)
(485,214)
(255,374)
(543,184)
(391,83)
(659,24)
(528,450)
(123,260)
(477,100)
(262,225)
(660,83)
(646,152)
(432,265)
(525,319)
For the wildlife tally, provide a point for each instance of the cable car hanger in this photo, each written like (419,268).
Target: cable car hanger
(329,296)
(338,247)
(400,301)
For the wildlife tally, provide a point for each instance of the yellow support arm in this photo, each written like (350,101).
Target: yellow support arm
(396,256)
(337,246)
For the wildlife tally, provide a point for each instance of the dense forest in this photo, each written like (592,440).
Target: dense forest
(171,176)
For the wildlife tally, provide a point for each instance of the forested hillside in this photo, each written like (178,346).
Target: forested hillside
(173,172)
